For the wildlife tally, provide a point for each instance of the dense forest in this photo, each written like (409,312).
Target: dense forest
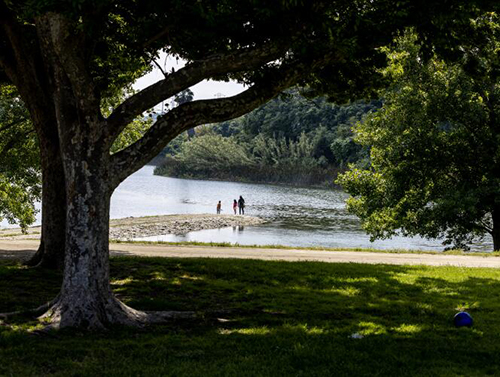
(292,139)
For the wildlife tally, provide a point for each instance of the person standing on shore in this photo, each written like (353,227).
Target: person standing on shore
(219,205)
(241,205)
(235,205)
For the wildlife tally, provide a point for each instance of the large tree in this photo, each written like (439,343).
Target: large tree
(435,145)
(65,57)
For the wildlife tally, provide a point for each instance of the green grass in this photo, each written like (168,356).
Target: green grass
(320,248)
(262,318)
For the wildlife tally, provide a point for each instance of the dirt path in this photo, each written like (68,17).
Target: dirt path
(21,249)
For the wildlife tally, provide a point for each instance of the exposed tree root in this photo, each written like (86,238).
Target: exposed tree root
(57,315)
(99,317)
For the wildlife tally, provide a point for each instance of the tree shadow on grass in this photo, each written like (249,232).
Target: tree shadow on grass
(276,318)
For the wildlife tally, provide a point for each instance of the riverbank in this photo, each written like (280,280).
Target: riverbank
(322,179)
(135,227)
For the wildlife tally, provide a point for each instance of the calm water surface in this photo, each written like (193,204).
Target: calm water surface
(297,216)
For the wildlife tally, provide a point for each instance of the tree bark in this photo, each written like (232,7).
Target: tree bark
(24,67)
(496,229)
(50,254)
(86,299)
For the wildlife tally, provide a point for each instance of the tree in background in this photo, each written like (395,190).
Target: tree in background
(271,160)
(19,161)
(289,117)
(435,145)
(65,57)
(210,155)
(184,96)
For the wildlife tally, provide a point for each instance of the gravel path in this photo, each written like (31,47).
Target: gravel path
(22,249)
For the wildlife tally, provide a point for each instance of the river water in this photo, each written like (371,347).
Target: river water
(297,216)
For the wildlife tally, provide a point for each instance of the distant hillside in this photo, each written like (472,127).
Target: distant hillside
(289,140)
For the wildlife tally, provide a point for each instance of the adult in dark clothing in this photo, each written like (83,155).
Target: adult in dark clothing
(241,205)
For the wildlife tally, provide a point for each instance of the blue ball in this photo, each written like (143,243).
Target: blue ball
(462,319)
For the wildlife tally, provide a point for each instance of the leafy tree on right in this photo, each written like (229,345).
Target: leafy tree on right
(435,145)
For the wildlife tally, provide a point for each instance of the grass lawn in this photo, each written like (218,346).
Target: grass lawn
(261,318)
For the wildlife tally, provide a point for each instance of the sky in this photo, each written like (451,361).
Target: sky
(206,89)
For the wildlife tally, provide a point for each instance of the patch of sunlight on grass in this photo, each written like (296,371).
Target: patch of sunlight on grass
(250,331)
(464,306)
(442,291)
(158,276)
(407,329)
(27,327)
(176,281)
(273,311)
(300,288)
(357,280)
(346,291)
(474,330)
(371,328)
(405,278)
(305,329)
(122,281)
(424,308)
(191,277)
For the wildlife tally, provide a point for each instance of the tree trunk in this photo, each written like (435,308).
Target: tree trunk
(496,229)
(50,254)
(86,299)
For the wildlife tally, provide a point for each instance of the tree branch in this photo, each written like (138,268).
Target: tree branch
(191,114)
(186,77)
(57,31)
(13,53)
(20,60)
(165,74)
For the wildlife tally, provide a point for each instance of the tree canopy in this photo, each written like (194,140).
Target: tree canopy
(435,146)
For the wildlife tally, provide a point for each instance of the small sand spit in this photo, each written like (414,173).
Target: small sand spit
(134,227)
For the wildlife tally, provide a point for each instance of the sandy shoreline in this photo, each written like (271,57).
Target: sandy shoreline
(134,227)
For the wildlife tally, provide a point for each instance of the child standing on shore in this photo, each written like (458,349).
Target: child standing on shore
(219,205)
(235,206)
